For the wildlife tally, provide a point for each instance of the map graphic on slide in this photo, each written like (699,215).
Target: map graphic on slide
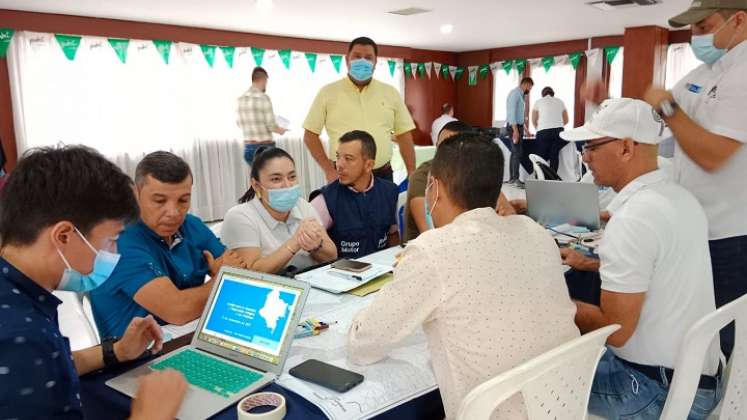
(251,315)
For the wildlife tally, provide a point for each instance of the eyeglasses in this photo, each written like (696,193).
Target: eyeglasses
(591,147)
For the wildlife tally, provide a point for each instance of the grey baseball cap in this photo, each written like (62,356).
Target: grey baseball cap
(701,9)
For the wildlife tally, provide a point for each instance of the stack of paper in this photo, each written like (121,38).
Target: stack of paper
(329,279)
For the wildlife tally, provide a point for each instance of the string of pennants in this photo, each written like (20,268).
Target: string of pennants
(70,44)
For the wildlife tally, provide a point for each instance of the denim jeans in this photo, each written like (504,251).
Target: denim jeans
(517,154)
(621,392)
(250,149)
(729,264)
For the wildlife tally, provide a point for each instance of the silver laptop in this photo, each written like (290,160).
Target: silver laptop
(240,345)
(552,203)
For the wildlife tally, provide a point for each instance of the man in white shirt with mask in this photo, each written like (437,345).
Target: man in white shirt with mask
(706,113)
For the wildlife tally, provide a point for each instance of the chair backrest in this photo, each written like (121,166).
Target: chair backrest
(555,385)
(688,367)
(542,170)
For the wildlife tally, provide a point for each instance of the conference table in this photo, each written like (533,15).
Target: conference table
(100,401)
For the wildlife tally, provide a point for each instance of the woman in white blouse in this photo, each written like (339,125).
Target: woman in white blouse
(273,228)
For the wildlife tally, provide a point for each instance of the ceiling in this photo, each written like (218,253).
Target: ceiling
(478,24)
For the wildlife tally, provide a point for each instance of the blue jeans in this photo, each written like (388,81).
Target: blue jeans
(729,264)
(250,149)
(621,392)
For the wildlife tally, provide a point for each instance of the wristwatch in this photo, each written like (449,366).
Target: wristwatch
(667,108)
(107,348)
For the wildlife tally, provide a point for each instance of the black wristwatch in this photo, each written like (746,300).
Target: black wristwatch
(667,108)
(107,348)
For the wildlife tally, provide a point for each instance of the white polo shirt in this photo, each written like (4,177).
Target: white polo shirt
(716,98)
(250,225)
(657,243)
(550,111)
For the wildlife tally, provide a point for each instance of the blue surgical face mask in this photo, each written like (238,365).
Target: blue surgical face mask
(429,209)
(283,199)
(103,266)
(704,49)
(361,70)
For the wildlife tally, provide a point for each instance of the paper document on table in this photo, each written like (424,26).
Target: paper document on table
(404,375)
(372,286)
(176,331)
(328,279)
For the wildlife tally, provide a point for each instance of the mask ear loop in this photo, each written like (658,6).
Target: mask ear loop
(95,251)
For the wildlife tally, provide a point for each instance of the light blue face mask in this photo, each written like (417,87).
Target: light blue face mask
(283,199)
(361,70)
(429,209)
(103,266)
(704,49)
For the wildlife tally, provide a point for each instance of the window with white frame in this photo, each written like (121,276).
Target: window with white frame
(503,84)
(680,62)
(616,74)
(561,77)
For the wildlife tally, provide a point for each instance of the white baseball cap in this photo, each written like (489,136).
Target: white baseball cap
(620,119)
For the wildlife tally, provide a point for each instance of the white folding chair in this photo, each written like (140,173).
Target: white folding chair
(689,363)
(555,385)
(536,161)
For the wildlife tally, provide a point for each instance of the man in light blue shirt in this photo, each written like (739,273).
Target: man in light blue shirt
(515,117)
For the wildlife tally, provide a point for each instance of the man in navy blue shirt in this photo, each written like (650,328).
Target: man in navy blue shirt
(166,255)
(359,209)
(60,214)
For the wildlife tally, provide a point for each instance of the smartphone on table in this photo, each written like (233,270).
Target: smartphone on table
(350,265)
(326,375)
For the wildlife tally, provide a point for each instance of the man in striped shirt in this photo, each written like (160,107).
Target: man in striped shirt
(256,117)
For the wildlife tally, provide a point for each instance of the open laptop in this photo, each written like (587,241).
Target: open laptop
(240,345)
(553,203)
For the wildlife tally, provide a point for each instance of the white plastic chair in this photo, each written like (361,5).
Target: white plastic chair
(536,161)
(76,320)
(555,385)
(689,362)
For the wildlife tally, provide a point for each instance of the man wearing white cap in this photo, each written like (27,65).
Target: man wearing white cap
(654,265)
(706,112)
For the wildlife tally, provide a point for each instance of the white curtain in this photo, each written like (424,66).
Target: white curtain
(680,62)
(594,68)
(616,74)
(502,84)
(128,110)
(561,77)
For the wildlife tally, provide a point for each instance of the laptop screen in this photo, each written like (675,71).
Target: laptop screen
(251,316)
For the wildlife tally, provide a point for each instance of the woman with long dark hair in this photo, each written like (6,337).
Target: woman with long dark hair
(273,228)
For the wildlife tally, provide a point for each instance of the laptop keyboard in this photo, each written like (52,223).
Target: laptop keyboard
(209,373)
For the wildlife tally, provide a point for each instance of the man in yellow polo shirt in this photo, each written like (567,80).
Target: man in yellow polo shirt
(358,102)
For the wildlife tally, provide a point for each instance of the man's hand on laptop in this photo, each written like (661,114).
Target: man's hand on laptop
(229,258)
(159,396)
(138,337)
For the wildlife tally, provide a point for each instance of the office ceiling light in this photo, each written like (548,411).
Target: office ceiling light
(410,11)
(608,5)
(447,28)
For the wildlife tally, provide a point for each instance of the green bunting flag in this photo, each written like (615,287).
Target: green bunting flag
(472,76)
(548,62)
(259,55)
(611,53)
(285,57)
(484,71)
(459,73)
(209,52)
(164,49)
(520,66)
(574,58)
(421,69)
(336,61)
(408,70)
(120,47)
(5,36)
(311,59)
(228,53)
(392,67)
(69,45)
(508,65)
(445,71)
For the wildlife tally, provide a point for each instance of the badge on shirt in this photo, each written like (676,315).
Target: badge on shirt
(692,87)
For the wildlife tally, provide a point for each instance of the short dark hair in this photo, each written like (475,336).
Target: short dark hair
(363,40)
(457,127)
(259,73)
(262,156)
(368,145)
(446,108)
(471,167)
(527,80)
(548,91)
(69,183)
(163,166)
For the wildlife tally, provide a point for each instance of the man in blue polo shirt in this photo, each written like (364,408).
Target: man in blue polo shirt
(165,255)
(50,247)
(358,209)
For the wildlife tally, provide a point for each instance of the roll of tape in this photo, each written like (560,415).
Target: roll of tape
(262,399)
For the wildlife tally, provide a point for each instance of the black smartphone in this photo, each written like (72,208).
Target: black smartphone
(350,265)
(326,375)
